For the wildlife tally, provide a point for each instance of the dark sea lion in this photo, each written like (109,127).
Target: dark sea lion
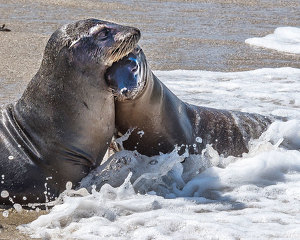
(62,125)
(162,121)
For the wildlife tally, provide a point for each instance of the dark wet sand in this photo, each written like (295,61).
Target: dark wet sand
(176,34)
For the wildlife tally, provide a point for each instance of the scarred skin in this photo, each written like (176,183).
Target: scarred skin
(162,121)
(62,125)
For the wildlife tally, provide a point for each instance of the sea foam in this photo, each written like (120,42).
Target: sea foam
(284,39)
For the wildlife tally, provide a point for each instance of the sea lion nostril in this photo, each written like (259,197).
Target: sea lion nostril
(135,68)
(137,32)
(133,64)
(137,50)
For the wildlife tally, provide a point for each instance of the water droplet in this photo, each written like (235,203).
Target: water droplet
(24,198)
(5,213)
(69,185)
(141,133)
(199,139)
(18,207)
(10,157)
(4,194)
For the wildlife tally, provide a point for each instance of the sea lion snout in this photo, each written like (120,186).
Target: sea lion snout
(127,32)
(135,32)
(138,32)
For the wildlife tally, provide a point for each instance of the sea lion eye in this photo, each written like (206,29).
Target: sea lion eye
(103,34)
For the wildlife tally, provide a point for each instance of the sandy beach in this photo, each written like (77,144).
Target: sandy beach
(176,34)
(8,224)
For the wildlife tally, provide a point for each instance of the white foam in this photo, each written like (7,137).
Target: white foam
(284,39)
(267,91)
(148,173)
(256,196)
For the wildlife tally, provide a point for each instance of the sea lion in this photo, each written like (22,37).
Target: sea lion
(162,121)
(62,125)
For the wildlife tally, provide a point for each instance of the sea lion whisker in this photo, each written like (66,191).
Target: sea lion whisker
(125,46)
(116,48)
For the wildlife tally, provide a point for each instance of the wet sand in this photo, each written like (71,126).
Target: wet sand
(176,34)
(8,224)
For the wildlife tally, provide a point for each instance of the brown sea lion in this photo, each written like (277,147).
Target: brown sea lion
(162,121)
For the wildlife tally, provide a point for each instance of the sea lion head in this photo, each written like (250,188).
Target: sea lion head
(127,77)
(89,44)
